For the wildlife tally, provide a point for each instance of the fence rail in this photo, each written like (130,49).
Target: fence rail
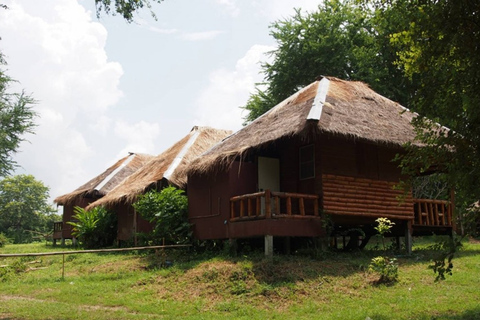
(57,253)
(63,253)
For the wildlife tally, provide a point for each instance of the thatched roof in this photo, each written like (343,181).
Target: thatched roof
(106,181)
(169,165)
(330,105)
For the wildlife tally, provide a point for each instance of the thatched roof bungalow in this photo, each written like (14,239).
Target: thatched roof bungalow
(96,188)
(168,168)
(326,150)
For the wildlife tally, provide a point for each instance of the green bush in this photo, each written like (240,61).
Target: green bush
(95,228)
(386,267)
(3,240)
(167,210)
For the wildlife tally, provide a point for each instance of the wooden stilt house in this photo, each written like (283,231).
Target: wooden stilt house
(168,168)
(323,154)
(93,190)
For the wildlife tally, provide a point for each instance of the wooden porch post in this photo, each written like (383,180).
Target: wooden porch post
(268,207)
(269,246)
(408,237)
(451,214)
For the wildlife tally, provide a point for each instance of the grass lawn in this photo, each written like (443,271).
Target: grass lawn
(332,286)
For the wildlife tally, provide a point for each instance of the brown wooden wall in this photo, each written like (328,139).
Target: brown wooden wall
(358,180)
(126,220)
(68,213)
(209,198)
(364,197)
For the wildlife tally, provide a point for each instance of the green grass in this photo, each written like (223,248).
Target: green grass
(332,286)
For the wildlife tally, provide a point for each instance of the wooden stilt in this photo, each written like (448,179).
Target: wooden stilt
(408,237)
(287,245)
(268,246)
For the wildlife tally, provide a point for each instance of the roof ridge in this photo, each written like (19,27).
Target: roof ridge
(114,172)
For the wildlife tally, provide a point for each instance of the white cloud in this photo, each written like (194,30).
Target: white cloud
(201,36)
(163,31)
(281,9)
(230,6)
(58,54)
(219,103)
(140,137)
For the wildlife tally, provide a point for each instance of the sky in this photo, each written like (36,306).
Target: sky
(105,87)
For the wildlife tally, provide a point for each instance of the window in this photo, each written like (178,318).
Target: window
(307,162)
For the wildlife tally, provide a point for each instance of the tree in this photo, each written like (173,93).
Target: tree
(440,50)
(341,39)
(16,119)
(24,208)
(126,8)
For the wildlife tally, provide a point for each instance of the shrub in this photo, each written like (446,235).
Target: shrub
(167,210)
(386,267)
(3,240)
(94,228)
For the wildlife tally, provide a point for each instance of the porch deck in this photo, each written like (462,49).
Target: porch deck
(426,213)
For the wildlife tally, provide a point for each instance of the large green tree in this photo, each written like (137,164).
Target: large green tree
(440,49)
(16,119)
(24,208)
(342,39)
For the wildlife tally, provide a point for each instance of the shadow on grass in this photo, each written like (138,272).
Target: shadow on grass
(472,314)
(282,270)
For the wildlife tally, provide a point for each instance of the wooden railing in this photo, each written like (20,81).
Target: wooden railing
(267,204)
(57,229)
(432,212)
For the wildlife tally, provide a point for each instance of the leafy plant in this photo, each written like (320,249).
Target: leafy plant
(94,228)
(385,266)
(383,226)
(167,210)
(442,264)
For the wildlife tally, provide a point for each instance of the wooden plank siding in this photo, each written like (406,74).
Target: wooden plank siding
(353,196)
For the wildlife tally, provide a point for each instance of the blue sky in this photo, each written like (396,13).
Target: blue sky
(105,87)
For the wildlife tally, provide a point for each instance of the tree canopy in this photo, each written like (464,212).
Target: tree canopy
(125,8)
(342,39)
(16,119)
(24,208)
(440,49)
